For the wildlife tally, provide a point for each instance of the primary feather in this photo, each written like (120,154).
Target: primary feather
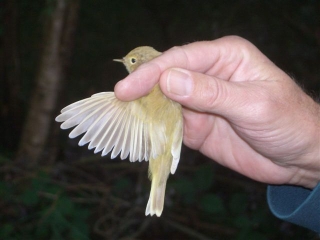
(149,128)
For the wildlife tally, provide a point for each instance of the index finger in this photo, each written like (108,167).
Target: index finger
(210,57)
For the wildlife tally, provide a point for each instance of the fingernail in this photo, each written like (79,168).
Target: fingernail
(179,83)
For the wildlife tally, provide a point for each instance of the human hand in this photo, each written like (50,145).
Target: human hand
(239,109)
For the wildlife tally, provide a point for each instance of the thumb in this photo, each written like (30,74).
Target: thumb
(204,93)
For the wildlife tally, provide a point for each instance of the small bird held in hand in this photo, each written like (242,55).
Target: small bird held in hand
(149,128)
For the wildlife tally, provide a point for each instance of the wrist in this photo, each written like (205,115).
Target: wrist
(308,165)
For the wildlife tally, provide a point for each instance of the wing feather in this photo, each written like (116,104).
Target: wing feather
(120,137)
(106,141)
(132,142)
(86,123)
(126,138)
(102,130)
(78,114)
(146,141)
(95,128)
(176,146)
(109,125)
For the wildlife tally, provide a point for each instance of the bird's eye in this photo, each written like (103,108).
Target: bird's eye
(133,60)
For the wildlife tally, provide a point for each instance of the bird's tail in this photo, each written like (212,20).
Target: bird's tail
(159,170)
(156,199)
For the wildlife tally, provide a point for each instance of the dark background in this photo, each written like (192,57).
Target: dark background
(70,193)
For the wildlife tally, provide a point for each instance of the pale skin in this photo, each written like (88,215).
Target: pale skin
(239,109)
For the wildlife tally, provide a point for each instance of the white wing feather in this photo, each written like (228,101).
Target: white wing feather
(176,146)
(110,125)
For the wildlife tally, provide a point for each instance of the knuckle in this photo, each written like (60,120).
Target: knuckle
(180,56)
(209,94)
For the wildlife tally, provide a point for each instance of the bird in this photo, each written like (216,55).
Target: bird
(149,128)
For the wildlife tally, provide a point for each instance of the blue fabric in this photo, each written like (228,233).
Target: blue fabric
(295,204)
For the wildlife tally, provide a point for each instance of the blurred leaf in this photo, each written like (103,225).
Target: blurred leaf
(53,189)
(4,159)
(57,232)
(121,185)
(42,231)
(44,176)
(262,217)
(203,178)
(242,221)
(80,228)
(249,234)
(238,203)
(186,189)
(77,233)
(65,206)
(212,204)
(6,230)
(38,184)
(59,222)
(5,190)
(62,217)
(29,197)
(81,214)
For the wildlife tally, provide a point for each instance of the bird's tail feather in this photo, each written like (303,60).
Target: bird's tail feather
(156,199)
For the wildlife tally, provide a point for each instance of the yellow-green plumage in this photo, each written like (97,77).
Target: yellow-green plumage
(162,113)
(149,128)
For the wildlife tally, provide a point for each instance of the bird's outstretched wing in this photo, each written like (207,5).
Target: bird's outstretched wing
(110,125)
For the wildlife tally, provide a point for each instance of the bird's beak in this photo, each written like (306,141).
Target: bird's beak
(118,60)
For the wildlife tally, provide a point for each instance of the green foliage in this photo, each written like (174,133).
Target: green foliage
(122,185)
(212,204)
(64,222)
(238,203)
(245,212)
(248,234)
(203,178)
(41,210)
(189,187)
(186,189)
